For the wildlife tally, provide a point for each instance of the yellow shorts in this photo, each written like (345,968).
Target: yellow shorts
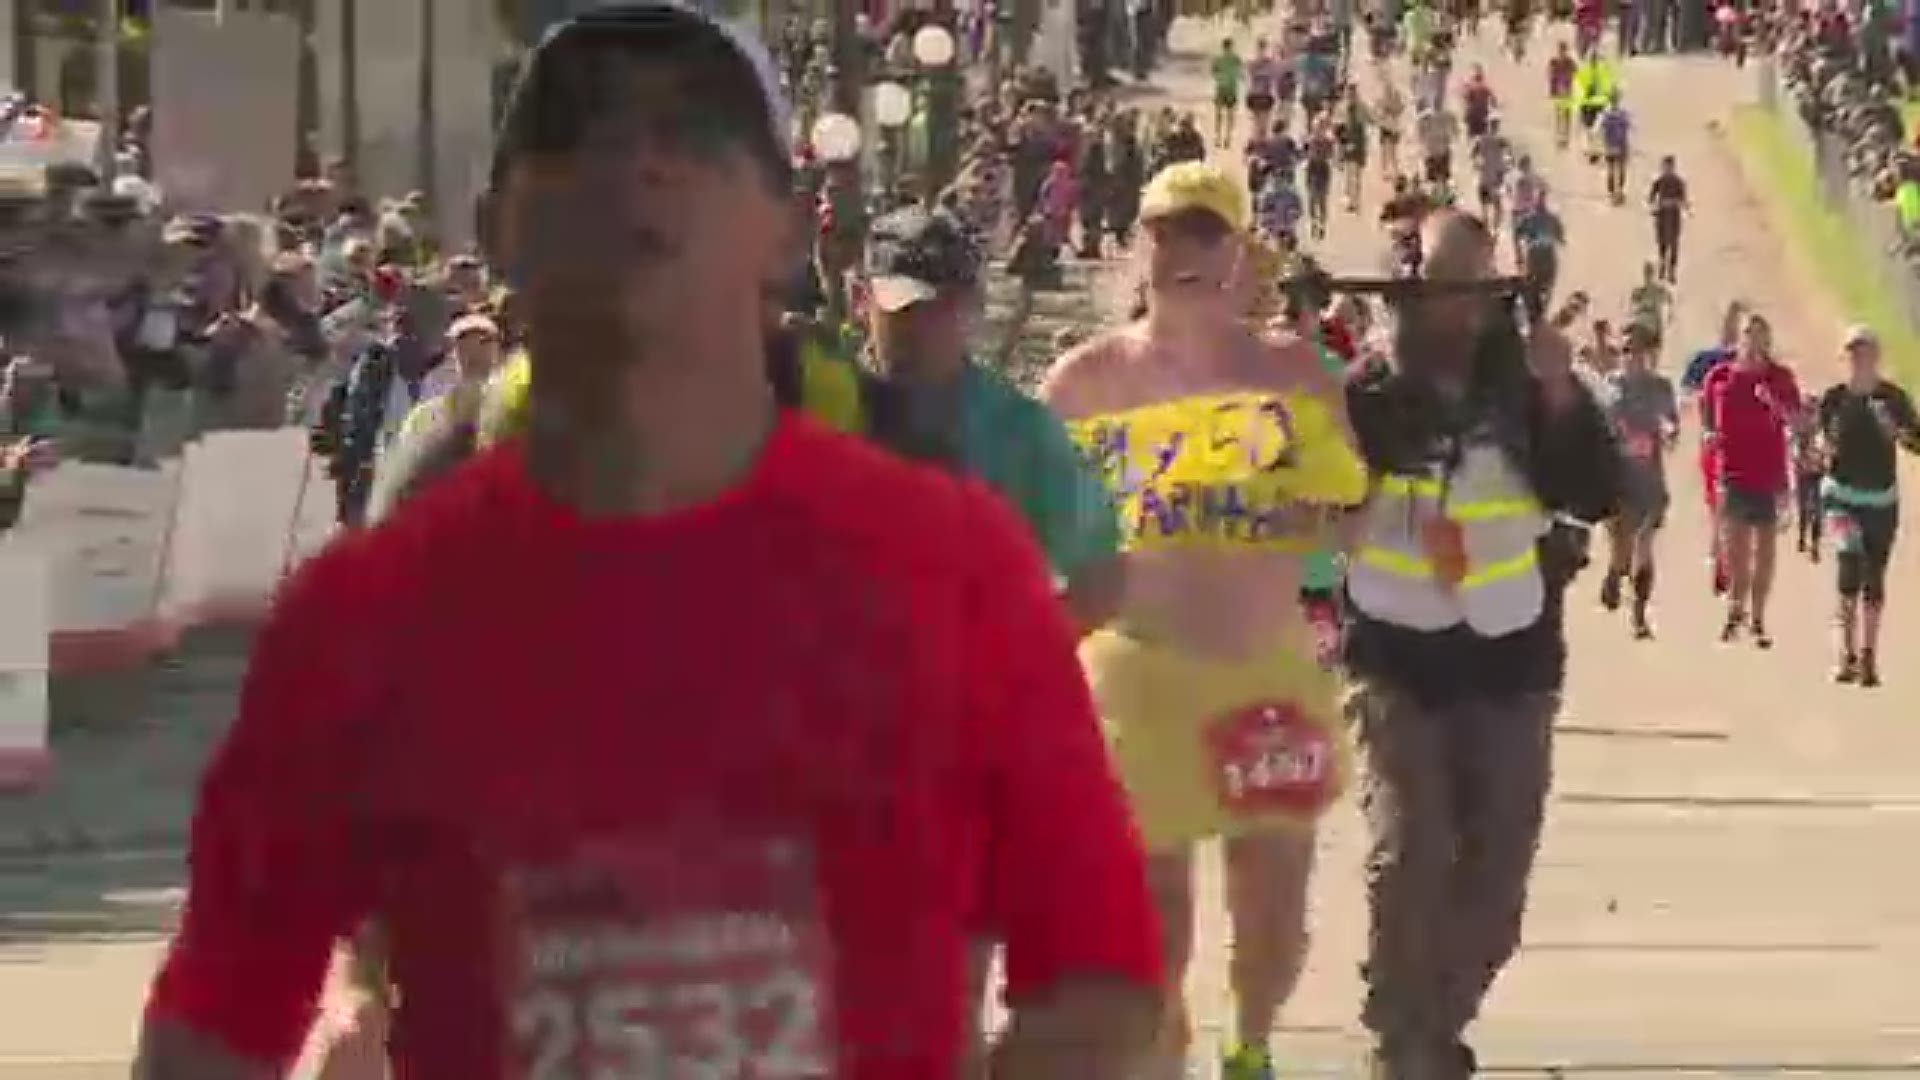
(1210,747)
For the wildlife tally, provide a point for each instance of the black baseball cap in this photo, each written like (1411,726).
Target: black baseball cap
(565,82)
(914,253)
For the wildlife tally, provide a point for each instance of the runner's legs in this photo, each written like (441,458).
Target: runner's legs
(1170,877)
(1766,546)
(1861,563)
(1619,561)
(1738,546)
(1809,514)
(1646,528)
(1318,189)
(1267,876)
(1666,241)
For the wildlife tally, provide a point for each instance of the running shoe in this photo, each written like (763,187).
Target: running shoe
(1848,670)
(1730,630)
(1869,668)
(1455,1062)
(1761,639)
(1248,1063)
(1642,630)
(1610,591)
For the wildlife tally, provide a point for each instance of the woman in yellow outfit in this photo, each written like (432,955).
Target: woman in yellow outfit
(1227,454)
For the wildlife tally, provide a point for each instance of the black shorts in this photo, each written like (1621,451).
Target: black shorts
(1477,124)
(1489,196)
(1588,114)
(1616,157)
(1439,168)
(1747,506)
(1224,100)
(1644,512)
(1260,102)
(1863,546)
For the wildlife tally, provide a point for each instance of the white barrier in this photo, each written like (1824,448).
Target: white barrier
(108,564)
(251,505)
(101,533)
(132,556)
(26,622)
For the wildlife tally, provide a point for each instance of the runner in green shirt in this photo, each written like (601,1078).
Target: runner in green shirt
(1649,304)
(1416,28)
(1906,202)
(1229,70)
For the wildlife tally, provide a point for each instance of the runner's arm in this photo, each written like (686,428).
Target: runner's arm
(1900,408)
(1576,462)
(1065,875)
(1078,525)
(272,884)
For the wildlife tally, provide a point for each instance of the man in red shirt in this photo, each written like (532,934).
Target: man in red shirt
(779,720)
(1747,404)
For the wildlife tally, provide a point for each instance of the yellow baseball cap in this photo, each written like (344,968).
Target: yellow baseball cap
(1196,185)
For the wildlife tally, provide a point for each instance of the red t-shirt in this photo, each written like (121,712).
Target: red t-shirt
(735,783)
(1749,409)
(1560,72)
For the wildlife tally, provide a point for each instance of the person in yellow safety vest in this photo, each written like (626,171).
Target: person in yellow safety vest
(1906,203)
(1594,84)
(807,369)
(1478,444)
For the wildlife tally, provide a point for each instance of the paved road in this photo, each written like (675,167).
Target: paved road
(1723,889)
(1715,888)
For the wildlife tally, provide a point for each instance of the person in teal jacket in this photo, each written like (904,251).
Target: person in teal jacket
(925,398)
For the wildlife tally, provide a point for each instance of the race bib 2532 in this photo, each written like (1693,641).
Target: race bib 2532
(649,960)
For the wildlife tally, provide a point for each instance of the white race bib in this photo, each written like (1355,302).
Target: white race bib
(673,959)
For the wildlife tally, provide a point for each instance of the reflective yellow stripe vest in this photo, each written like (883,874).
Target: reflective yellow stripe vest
(1392,579)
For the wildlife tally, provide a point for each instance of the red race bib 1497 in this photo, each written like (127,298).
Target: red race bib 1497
(1270,757)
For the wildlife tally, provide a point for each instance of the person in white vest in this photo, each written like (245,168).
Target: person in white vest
(1478,444)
